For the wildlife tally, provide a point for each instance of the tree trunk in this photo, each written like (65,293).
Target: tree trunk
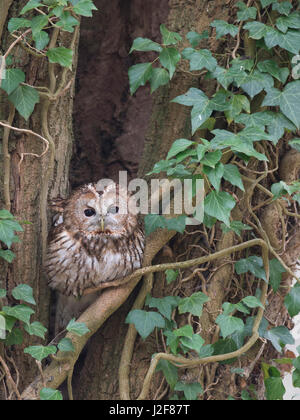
(33,180)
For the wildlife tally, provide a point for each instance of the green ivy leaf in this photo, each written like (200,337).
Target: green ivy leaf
(169,370)
(145,44)
(193,304)
(219,205)
(283,23)
(32,4)
(179,146)
(171,275)
(78,328)
(169,38)
(14,338)
(2,293)
(236,226)
(266,3)
(67,22)
(169,58)
(288,41)
(229,324)
(252,302)
(145,321)
(40,352)
(271,67)
(38,23)
(225,346)
(194,37)
(190,390)
(279,337)
(37,329)
(245,12)
(195,342)
(17,23)
(224,28)
(275,389)
(25,293)
(256,82)
(257,30)
(24,99)
(276,270)
(49,394)
(21,312)
(61,55)
(164,305)
(253,264)
(139,74)
(159,77)
(84,8)
(13,77)
(153,222)
(176,223)
(41,40)
(66,345)
(214,175)
(202,59)
(232,175)
(292,301)
(7,255)
(287,100)
(295,144)
(283,8)
(235,106)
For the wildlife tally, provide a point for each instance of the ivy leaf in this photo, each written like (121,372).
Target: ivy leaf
(84,8)
(283,23)
(24,292)
(245,12)
(235,106)
(266,3)
(224,346)
(253,264)
(178,146)
(283,8)
(211,158)
(232,175)
(214,175)
(15,337)
(171,275)
(32,4)
(279,337)
(145,321)
(40,352)
(2,293)
(195,342)
(277,128)
(164,305)
(236,226)
(61,55)
(7,255)
(13,77)
(66,345)
(153,222)
(176,223)
(275,389)
(287,100)
(24,99)
(288,41)
(169,370)
(194,37)
(145,44)
(41,40)
(169,37)
(257,30)
(169,58)
(38,23)
(139,74)
(21,312)
(219,205)
(159,77)
(49,394)
(295,144)
(190,390)
(271,67)
(67,22)
(229,324)
(78,328)
(252,302)
(292,301)
(255,119)
(256,82)
(276,270)
(185,331)
(36,328)
(193,304)
(17,23)
(202,59)
(224,28)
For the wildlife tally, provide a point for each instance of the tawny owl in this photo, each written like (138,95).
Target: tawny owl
(96,239)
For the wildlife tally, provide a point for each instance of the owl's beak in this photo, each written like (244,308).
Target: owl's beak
(102,223)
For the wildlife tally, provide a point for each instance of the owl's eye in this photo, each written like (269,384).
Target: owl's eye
(113,210)
(89,212)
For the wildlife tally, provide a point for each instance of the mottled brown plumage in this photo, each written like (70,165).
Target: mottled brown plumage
(96,239)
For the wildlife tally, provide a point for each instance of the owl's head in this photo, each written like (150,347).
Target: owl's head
(102,212)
